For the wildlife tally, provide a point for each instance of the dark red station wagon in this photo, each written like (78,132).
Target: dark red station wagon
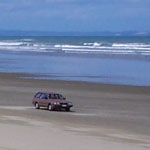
(52,101)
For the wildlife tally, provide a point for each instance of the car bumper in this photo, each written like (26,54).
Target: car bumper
(62,106)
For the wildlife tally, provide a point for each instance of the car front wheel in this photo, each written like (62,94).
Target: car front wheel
(50,107)
(37,106)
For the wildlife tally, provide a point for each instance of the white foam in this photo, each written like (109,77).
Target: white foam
(96,44)
(99,50)
(29,45)
(72,46)
(11,43)
(133,45)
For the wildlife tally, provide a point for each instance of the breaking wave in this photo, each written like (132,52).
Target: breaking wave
(111,48)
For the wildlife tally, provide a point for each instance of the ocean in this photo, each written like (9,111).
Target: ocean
(111,60)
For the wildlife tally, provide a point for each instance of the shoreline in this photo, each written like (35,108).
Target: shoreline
(113,113)
(36,77)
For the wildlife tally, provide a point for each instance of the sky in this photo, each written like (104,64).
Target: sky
(75,15)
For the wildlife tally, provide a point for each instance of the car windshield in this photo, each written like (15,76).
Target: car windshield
(60,96)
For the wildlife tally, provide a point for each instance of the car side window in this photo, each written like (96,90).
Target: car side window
(53,96)
(44,96)
(38,95)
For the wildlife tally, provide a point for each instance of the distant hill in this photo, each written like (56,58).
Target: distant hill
(49,33)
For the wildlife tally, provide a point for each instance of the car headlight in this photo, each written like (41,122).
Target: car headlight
(56,103)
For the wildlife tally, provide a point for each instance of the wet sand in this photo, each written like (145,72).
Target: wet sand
(103,116)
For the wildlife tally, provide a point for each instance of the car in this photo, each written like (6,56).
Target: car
(52,101)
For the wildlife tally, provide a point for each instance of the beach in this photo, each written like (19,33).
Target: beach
(104,116)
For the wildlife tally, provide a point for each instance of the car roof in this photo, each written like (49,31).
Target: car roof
(48,92)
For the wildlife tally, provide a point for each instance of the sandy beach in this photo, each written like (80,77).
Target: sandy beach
(103,117)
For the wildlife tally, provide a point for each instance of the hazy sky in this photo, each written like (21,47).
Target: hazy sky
(75,15)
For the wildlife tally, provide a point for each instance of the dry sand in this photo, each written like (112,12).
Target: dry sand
(103,117)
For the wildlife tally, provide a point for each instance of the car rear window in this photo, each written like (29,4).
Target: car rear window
(38,95)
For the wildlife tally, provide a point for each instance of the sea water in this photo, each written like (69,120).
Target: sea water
(110,60)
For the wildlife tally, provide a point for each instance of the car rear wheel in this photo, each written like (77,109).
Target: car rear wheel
(37,106)
(50,107)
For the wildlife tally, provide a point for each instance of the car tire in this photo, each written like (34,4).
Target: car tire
(37,106)
(50,107)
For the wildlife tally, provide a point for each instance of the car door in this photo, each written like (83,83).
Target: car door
(43,100)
